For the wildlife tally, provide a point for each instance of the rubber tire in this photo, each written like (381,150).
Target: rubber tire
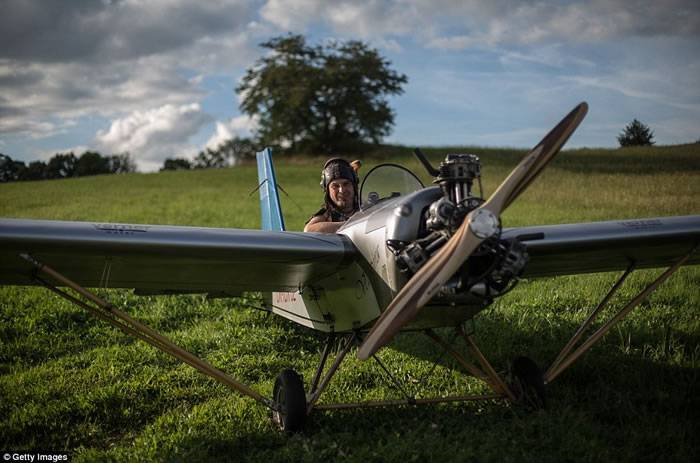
(529,382)
(288,394)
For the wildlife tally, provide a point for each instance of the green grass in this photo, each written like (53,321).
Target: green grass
(70,382)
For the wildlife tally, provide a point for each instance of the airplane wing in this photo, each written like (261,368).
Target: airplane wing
(157,259)
(607,246)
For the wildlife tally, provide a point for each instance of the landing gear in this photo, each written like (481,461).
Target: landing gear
(290,402)
(528,383)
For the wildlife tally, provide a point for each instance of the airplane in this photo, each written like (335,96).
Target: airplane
(412,259)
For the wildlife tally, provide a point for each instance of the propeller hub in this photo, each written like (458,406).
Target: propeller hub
(484,223)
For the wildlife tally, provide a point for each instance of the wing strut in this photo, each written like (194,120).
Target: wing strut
(566,357)
(121,320)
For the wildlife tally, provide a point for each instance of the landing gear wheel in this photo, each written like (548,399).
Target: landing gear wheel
(290,399)
(528,383)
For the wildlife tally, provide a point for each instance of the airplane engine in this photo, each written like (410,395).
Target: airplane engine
(493,269)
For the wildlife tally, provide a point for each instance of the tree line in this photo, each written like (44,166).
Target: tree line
(227,154)
(65,165)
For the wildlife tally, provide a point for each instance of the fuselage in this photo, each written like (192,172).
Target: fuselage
(359,292)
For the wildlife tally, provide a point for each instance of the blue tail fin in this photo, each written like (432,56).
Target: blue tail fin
(269,198)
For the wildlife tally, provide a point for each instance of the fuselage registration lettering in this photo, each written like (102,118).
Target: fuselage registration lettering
(641,224)
(285,298)
(120,229)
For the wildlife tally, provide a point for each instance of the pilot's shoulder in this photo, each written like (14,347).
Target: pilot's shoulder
(321,212)
(320,216)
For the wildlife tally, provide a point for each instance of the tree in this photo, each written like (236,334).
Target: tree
(62,166)
(209,159)
(236,150)
(120,164)
(91,163)
(36,170)
(10,170)
(176,164)
(636,134)
(320,99)
(226,154)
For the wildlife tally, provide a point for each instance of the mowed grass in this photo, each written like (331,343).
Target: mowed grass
(72,383)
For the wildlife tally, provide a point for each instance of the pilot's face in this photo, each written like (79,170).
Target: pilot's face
(342,193)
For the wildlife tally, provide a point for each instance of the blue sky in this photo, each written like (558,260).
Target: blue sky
(157,78)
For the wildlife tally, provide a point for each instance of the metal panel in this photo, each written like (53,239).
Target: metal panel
(168,258)
(608,246)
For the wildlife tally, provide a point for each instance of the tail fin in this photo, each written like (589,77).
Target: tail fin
(269,198)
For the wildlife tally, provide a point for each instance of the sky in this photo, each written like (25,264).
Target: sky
(157,78)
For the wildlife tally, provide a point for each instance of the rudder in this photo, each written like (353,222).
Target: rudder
(270,208)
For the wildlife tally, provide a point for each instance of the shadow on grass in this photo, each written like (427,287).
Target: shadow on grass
(609,404)
(591,417)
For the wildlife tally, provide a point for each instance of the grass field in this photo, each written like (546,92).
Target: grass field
(71,383)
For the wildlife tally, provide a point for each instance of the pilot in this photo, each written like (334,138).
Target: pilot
(339,181)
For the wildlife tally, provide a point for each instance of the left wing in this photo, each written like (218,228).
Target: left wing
(157,259)
(607,246)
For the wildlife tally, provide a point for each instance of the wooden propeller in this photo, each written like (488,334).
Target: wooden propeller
(479,225)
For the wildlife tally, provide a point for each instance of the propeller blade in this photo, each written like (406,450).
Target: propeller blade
(419,290)
(534,163)
(479,225)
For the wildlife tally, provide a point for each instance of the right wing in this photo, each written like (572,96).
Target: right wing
(608,246)
(158,259)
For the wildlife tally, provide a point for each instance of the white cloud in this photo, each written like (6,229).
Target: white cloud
(221,134)
(368,19)
(112,59)
(240,126)
(119,59)
(151,136)
(458,24)
(647,85)
(290,14)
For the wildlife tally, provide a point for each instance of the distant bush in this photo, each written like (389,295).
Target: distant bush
(227,154)
(636,134)
(176,164)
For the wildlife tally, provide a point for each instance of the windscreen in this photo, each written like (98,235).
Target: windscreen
(387,181)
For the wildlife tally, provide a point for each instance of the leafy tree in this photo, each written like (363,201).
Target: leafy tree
(62,165)
(320,99)
(226,154)
(636,134)
(176,164)
(120,164)
(10,170)
(237,149)
(91,163)
(210,158)
(36,170)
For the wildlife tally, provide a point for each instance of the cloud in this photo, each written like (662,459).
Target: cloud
(108,59)
(153,135)
(459,24)
(116,60)
(370,19)
(111,30)
(241,126)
